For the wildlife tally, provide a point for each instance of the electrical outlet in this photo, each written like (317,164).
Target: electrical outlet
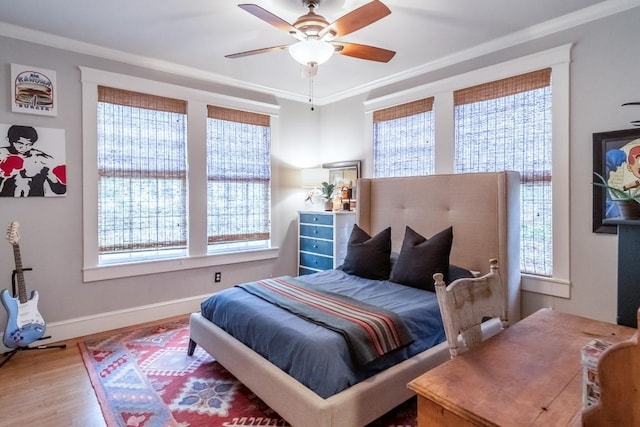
(217,277)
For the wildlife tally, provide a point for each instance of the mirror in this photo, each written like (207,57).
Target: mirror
(344,174)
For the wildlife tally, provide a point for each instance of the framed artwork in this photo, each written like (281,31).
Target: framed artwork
(33,90)
(344,173)
(616,157)
(341,173)
(32,161)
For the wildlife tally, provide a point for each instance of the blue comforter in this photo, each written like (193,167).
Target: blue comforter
(318,357)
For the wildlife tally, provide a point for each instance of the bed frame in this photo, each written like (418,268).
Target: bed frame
(483,209)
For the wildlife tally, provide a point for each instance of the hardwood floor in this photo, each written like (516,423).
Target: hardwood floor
(51,387)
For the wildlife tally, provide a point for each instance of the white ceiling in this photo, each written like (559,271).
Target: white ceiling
(192,37)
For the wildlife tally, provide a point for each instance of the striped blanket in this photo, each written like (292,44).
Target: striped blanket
(369,331)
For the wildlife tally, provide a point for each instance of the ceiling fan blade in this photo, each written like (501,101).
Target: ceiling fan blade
(257,51)
(269,18)
(356,19)
(363,51)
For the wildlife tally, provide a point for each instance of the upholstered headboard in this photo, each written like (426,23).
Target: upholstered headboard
(483,209)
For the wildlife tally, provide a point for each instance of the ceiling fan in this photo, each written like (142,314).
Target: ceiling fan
(316,36)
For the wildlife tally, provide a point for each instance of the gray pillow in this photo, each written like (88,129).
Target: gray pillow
(421,258)
(368,256)
(455,272)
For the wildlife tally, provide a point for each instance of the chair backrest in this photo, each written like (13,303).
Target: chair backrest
(466,303)
(619,379)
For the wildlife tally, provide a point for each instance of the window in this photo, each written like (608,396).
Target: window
(239,179)
(142,176)
(169,186)
(403,140)
(463,126)
(506,125)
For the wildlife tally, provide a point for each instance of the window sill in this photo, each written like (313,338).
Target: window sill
(105,272)
(546,285)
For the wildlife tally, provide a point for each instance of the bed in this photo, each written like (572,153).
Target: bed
(483,210)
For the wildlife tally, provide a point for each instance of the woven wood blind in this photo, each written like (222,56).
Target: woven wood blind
(403,140)
(506,125)
(403,110)
(238,176)
(142,172)
(504,87)
(238,116)
(141,100)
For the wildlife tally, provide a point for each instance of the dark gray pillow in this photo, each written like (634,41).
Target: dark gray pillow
(368,256)
(456,273)
(421,258)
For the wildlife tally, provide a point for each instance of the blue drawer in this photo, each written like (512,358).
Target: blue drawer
(311,218)
(315,261)
(316,231)
(302,271)
(324,247)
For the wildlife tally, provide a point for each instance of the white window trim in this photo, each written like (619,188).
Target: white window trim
(197,101)
(558,59)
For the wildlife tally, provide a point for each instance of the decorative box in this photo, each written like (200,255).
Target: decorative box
(590,355)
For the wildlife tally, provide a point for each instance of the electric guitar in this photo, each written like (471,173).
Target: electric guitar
(24,323)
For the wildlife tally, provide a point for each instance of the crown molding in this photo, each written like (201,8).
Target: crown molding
(562,23)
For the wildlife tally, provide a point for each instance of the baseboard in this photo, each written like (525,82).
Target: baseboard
(87,325)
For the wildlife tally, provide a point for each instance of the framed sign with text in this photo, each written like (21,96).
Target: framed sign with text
(33,90)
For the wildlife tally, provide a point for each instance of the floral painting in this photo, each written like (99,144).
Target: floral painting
(616,157)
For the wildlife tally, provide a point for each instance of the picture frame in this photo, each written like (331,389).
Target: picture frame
(611,153)
(345,175)
(33,90)
(33,161)
(346,172)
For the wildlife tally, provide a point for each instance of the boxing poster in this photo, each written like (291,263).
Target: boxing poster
(32,161)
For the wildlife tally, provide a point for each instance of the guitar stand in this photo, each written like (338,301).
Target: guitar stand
(9,354)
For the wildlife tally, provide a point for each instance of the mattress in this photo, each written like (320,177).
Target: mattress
(315,356)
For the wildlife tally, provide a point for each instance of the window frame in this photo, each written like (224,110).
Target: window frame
(558,59)
(197,101)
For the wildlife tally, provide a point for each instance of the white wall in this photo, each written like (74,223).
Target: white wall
(604,74)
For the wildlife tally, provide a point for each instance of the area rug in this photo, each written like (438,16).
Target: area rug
(144,378)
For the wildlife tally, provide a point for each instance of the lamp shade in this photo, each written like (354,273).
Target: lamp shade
(313,177)
(311,51)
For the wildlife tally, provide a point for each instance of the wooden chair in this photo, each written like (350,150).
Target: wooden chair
(466,303)
(619,378)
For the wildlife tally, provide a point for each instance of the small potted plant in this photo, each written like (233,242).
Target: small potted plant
(628,200)
(327,194)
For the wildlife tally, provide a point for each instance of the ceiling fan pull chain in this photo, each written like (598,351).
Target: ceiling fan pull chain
(311,92)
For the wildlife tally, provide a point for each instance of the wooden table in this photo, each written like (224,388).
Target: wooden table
(528,375)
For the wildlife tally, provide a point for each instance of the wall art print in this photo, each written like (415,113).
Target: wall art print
(32,161)
(33,90)
(616,157)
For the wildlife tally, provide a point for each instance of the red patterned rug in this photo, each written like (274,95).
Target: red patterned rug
(144,378)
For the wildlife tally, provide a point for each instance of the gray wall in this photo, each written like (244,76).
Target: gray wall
(51,228)
(604,74)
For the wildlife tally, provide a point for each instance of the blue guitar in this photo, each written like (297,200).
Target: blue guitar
(24,323)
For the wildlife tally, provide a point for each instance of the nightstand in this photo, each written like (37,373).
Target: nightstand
(322,239)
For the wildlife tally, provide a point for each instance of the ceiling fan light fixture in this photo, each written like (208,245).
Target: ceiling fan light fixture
(311,51)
